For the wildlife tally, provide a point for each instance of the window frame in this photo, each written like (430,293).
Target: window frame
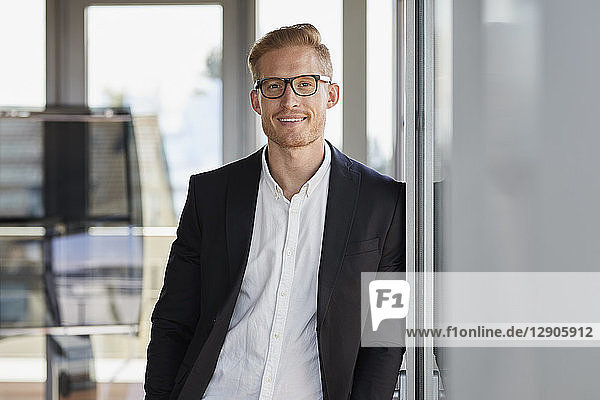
(66,62)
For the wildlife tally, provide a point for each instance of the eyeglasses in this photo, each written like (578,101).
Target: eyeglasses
(303,85)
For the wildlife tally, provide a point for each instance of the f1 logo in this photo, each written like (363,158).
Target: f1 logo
(389,299)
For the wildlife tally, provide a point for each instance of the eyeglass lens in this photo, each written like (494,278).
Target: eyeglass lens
(302,86)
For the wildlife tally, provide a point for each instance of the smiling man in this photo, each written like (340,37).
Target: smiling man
(261,298)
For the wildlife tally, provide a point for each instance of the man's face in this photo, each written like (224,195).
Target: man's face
(292,120)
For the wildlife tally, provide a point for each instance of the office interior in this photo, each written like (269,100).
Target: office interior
(486,109)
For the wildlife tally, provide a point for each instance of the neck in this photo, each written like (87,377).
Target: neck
(292,167)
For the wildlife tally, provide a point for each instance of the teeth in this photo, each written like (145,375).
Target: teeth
(290,119)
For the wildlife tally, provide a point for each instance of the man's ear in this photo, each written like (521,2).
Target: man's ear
(255,101)
(333,94)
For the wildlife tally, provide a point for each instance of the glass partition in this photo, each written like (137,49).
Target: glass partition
(70,220)
(516,86)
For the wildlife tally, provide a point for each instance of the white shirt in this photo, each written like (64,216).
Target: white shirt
(270,351)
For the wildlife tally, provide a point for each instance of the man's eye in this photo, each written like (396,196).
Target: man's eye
(273,86)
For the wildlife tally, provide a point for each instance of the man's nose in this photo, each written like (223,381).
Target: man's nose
(289,98)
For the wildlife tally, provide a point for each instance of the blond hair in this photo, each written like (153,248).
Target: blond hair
(287,36)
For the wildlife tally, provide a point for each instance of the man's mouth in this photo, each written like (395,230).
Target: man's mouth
(290,120)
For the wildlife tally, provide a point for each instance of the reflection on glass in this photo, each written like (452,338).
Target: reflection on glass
(108,180)
(21,255)
(22,300)
(165,63)
(93,280)
(71,360)
(326,16)
(98,279)
(78,259)
(21,174)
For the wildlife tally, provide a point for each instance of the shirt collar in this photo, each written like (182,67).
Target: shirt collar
(310,186)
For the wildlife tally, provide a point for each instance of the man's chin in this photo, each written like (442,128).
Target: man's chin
(288,142)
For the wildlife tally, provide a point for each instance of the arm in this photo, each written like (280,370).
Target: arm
(377,368)
(177,310)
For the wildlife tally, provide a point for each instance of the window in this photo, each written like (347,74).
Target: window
(380,85)
(164,62)
(23,66)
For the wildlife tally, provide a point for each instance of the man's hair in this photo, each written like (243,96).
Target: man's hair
(287,36)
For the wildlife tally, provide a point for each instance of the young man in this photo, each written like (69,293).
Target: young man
(261,298)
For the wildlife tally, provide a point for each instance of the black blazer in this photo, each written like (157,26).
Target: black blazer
(364,232)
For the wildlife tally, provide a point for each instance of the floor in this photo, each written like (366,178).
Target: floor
(104,391)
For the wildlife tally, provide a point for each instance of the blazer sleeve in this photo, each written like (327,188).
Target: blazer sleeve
(177,310)
(376,369)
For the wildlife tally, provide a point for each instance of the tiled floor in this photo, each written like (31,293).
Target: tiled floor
(104,391)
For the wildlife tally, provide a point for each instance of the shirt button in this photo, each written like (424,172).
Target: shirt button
(294,211)
(289,252)
(283,293)
(269,379)
(276,335)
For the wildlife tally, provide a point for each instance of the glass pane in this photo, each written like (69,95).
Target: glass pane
(108,172)
(21,173)
(326,16)
(381,64)
(77,260)
(160,61)
(22,298)
(97,277)
(23,66)
(516,142)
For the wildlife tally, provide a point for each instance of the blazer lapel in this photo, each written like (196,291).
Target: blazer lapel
(342,200)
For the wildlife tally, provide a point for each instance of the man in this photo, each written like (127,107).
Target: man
(261,298)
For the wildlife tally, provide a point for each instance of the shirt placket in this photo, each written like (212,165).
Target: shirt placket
(282,301)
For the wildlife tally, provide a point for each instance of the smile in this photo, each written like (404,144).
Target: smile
(291,119)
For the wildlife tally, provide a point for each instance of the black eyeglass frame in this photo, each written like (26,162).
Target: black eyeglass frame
(317,77)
